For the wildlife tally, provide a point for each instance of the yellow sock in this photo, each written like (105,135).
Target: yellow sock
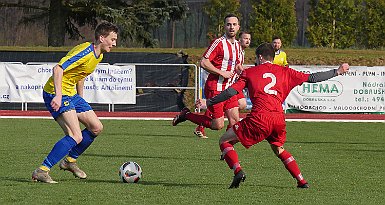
(44,168)
(70,159)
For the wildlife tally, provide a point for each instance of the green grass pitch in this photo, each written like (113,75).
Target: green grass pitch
(343,163)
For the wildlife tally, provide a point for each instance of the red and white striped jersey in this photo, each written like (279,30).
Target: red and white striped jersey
(242,60)
(242,57)
(224,55)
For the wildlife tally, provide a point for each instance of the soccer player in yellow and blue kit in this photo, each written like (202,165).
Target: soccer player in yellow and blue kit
(280,55)
(63,97)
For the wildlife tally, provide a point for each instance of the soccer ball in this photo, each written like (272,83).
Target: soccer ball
(130,172)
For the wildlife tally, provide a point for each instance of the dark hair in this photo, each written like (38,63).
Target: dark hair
(230,15)
(104,28)
(266,50)
(244,32)
(275,37)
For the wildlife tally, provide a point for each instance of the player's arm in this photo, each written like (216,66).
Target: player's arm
(322,76)
(239,68)
(209,67)
(57,81)
(224,95)
(80,87)
(235,88)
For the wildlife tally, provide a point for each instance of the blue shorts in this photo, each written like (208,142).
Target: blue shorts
(67,103)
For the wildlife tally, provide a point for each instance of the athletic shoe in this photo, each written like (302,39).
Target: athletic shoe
(181,117)
(42,176)
(72,167)
(303,186)
(222,157)
(200,132)
(240,176)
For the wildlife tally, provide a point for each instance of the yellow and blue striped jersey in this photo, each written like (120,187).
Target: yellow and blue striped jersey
(77,64)
(280,58)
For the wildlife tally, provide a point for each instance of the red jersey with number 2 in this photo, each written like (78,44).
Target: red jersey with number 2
(268,85)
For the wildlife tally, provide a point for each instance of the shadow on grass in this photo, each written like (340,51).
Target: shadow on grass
(146,183)
(96,181)
(29,180)
(175,184)
(16,179)
(222,185)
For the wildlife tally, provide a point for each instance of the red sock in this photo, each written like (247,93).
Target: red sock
(291,165)
(231,156)
(199,119)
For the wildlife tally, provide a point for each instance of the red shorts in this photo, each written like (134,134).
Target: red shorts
(218,109)
(257,127)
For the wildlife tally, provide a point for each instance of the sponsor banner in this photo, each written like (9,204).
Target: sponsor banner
(4,88)
(25,82)
(111,84)
(360,90)
(108,84)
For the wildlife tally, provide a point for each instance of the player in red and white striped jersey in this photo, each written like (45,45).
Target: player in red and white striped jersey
(222,61)
(244,41)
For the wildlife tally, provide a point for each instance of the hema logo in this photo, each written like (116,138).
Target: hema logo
(321,89)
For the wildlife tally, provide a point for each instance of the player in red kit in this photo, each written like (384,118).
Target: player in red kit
(222,61)
(268,85)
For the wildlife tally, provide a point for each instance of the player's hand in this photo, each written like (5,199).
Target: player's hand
(201,104)
(56,103)
(343,69)
(227,74)
(239,68)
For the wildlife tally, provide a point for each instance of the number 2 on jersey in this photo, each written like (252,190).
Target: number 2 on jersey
(271,84)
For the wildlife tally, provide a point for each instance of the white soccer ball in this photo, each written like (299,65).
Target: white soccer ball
(130,172)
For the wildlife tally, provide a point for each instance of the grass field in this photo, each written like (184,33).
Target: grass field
(343,162)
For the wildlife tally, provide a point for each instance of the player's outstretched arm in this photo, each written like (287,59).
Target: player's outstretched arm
(343,69)
(224,95)
(322,76)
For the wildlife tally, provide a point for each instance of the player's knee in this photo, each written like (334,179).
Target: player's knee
(277,149)
(97,129)
(216,126)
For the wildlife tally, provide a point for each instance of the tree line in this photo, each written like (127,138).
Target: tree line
(330,23)
(135,18)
